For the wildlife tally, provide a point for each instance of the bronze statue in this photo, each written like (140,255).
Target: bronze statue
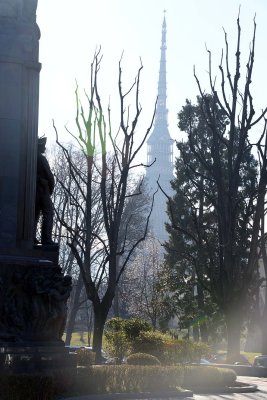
(44,188)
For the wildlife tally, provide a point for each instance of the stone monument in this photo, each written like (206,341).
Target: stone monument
(33,289)
(19,85)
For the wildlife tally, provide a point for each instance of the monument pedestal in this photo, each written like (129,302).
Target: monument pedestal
(40,360)
(33,312)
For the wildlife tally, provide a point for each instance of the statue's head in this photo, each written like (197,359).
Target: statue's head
(41,144)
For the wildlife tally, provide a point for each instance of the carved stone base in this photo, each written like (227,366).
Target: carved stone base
(33,297)
(32,301)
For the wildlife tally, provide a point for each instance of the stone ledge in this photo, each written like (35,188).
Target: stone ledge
(185,394)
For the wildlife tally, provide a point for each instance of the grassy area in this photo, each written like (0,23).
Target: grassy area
(250,356)
(79,339)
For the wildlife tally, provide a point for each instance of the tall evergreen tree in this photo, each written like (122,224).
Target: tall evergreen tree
(195,245)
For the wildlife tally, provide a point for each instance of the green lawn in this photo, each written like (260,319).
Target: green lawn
(250,356)
(76,339)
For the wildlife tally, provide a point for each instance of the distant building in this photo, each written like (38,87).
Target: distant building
(160,149)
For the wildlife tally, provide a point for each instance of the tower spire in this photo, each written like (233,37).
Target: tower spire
(160,131)
(159,150)
(162,112)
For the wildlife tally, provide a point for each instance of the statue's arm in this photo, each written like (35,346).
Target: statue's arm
(48,174)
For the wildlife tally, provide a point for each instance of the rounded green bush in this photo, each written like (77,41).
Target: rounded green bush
(134,326)
(228,376)
(142,359)
(150,343)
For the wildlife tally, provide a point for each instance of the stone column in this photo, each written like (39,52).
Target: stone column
(19,87)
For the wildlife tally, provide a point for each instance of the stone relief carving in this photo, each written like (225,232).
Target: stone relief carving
(33,304)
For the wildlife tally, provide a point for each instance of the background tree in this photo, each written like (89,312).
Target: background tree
(97,246)
(142,280)
(136,209)
(68,201)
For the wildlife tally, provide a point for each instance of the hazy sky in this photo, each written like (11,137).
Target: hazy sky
(72,29)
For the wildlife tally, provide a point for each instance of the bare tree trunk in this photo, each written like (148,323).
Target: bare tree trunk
(196,333)
(200,293)
(203,326)
(263,322)
(116,307)
(73,311)
(233,323)
(116,303)
(99,323)
(264,328)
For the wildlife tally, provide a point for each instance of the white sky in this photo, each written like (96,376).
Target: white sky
(72,29)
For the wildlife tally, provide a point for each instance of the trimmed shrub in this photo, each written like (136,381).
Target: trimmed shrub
(115,324)
(123,337)
(85,357)
(207,376)
(184,351)
(134,326)
(228,376)
(128,378)
(150,343)
(131,378)
(116,342)
(30,387)
(120,335)
(142,359)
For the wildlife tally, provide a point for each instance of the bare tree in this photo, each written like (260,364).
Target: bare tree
(136,208)
(229,116)
(66,209)
(233,281)
(95,239)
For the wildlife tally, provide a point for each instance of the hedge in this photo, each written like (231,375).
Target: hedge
(85,357)
(200,376)
(131,378)
(142,359)
(128,378)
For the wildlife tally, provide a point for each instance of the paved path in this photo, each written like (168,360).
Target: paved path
(235,396)
(261,394)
